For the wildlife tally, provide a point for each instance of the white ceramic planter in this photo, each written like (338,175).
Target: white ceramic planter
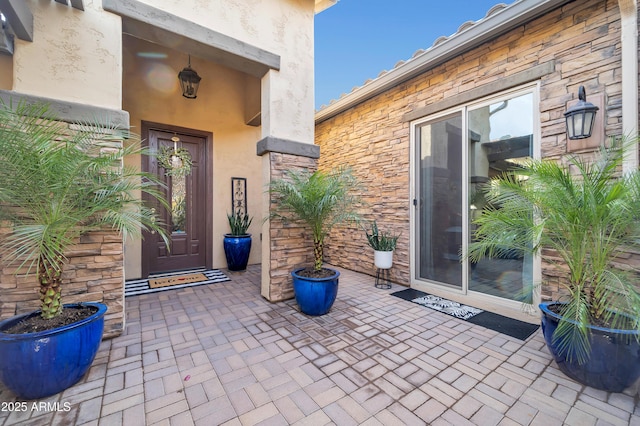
(383,259)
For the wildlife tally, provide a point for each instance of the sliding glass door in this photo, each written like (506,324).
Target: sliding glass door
(500,140)
(454,159)
(439,230)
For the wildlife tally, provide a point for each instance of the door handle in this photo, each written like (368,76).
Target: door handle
(153,219)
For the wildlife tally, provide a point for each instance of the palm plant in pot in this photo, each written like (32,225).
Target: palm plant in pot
(237,244)
(56,185)
(383,244)
(583,222)
(319,200)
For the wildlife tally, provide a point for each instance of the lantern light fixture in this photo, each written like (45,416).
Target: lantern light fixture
(581,117)
(189,81)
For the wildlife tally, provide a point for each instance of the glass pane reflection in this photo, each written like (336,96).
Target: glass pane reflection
(178,204)
(440,197)
(500,139)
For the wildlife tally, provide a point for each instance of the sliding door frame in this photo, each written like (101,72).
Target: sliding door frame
(496,304)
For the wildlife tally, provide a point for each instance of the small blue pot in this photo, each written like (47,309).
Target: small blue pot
(614,364)
(315,296)
(237,249)
(37,365)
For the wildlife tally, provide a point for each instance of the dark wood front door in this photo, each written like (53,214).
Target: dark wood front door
(187,223)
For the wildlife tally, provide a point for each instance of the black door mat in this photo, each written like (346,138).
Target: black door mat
(511,327)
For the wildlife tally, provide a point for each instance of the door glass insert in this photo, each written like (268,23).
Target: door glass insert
(439,230)
(500,138)
(178,203)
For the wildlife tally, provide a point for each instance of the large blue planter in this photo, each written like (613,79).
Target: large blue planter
(614,364)
(236,250)
(315,296)
(37,365)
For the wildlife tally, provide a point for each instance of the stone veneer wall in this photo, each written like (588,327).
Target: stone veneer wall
(582,39)
(94,273)
(291,243)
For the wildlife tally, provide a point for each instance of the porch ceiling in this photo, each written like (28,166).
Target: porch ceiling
(160,27)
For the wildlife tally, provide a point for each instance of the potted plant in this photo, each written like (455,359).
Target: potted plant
(383,244)
(582,218)
(57,184)
(237,244)
(318,200)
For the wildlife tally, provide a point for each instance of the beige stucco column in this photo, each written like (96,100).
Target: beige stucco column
(629,39)
(287,142)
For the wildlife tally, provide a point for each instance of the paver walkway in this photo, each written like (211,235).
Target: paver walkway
(221,354)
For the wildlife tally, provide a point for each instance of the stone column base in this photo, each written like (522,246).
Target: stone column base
(285,246)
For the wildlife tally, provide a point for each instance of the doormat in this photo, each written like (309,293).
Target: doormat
(511,327)
(137,287)
(447,306)
(176,280)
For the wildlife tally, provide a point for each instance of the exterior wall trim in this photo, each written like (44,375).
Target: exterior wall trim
(285,146)
(71,112)
(629,41)
(518,79)
(324,5)
(157,26)
(19,17)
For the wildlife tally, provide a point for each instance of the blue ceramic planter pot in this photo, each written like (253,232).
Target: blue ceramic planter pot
(237,249)
(614,364)
(37,365)
(315,296)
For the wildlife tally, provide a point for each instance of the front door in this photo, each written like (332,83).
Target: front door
(188,195)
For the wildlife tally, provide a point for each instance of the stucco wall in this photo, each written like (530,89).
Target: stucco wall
(583,38)
(78,54)
(75,56)
(281,27)
(152,93)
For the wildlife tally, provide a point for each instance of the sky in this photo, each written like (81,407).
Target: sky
(356,39)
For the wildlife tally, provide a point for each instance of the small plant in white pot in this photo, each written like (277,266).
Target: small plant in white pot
(383,244)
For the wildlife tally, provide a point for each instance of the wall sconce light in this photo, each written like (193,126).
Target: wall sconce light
(580,117)
(189,81)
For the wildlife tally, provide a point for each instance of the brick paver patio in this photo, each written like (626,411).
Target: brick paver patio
(221,354)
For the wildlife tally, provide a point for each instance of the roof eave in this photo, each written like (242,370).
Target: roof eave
(484,30)
(321,5)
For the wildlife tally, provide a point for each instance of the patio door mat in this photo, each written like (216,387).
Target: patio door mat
(511,327)
(174,280)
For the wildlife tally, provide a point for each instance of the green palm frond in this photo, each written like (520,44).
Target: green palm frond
(320,200)
(588,213)
(58,183)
